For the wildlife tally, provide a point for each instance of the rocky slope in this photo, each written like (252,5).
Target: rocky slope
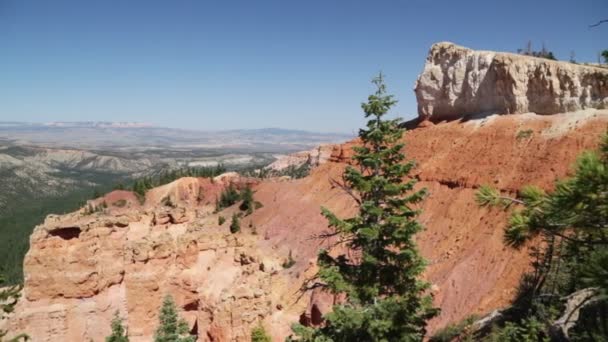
(457,82)
(82,268)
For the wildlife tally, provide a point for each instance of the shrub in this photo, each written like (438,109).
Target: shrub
(452,331)
(289,262)
(525,134)
(235,226)
(119,333)
(220,220)
(258,334)
(228,197)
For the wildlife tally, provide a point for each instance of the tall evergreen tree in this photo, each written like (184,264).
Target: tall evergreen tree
(379,276)
(119,333)
(171,328)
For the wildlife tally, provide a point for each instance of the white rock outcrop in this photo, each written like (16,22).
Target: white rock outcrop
(457,82)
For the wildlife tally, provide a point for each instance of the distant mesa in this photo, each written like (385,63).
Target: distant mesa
(98,124)
(458,82)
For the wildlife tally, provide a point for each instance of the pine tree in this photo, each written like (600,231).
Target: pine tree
(171,328)
(235,225)
(385,299)
(119,334)
(247,200)
(572,221)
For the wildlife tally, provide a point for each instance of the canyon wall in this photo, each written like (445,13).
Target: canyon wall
(82,268)
(457,82)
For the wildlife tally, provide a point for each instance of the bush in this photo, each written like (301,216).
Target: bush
(258,334)
(235,226)
(119,333)
(247,203)
(289,262)
(452,331)
(221,220)
(525,134)
(228,197)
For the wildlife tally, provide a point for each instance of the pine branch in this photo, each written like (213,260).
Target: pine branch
(599,23)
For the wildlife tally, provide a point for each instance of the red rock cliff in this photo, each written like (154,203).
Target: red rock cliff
(82,268)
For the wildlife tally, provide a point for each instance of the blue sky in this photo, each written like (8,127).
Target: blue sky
(253,63)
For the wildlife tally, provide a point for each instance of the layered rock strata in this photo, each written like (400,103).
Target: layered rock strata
(458,82)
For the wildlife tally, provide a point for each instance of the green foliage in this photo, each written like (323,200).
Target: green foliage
(572,223)
(529,330)
(19,216)
(258,334)
(119,333)
(605,56)
(525,134)
(220,220)
(452,331)
(379,276)
(247,204)
(296,171)
(235,225)
(487,196)
(142,185)
(228,197)
(171,328)
(8,299)
(289,262)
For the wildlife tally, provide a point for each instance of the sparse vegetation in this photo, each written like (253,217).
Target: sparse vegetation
(228,197)
(524,134)
(571,261)
(171,328)
(543,53)
(220,220)
(235,225)
(142,185)
(119,333)
(450,332)
(289,262)
(247,204)
(8,299)
(258,334)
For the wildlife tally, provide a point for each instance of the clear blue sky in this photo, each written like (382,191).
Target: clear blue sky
(254,63)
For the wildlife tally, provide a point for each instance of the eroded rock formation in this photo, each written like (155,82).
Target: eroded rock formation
(457,82)
(82,268)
